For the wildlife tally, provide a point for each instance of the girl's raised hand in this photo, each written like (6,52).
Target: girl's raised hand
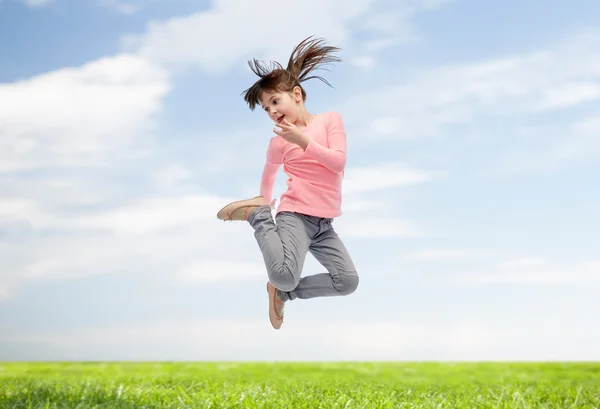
(291,133)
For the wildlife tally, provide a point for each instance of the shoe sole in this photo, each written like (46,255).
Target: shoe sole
(275,322)
(226,212)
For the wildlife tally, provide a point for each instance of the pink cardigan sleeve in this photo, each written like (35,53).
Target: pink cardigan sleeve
(334,156)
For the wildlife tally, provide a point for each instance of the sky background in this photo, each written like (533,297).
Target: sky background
(471,193)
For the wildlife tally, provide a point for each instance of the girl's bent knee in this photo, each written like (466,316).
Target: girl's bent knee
(283,279)
(347,283)
(283,285)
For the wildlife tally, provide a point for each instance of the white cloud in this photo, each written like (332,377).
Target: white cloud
(369,226)
(80,115)
(536,271)
(74,224)
(393,20)
(443,254)
(3,292)
(366,179)
(12,209)
(222,270)
(41,202)
(547,147)
(369,217)
(172,175)
(204,38)
(569,94)
(193,39)
(385,125)
(459,101)
(364,62)
(178,236)
(152,214)
(588,126)
(582,140)
(36,3)
(123,7)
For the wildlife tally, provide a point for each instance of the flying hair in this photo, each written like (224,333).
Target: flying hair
(311,54)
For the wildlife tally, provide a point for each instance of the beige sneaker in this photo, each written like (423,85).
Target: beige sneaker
(276,306)
(241,209)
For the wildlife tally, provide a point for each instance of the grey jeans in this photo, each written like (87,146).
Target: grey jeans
(284,246)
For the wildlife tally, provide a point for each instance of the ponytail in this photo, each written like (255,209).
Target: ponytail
(306,57)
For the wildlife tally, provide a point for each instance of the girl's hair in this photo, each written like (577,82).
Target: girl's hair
(307,56)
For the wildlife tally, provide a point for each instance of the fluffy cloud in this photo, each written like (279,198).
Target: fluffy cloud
(382,226)
(36,3)
(3,292)
(75,116)
(584,141)
(204,38)
(371,202)
(160,235)
(536,271)
(365,179)
(123,7)
(174,234)
(85,116)
(432,254)
(460,107)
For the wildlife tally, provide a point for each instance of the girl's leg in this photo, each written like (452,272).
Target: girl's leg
(283,245)
(341,279)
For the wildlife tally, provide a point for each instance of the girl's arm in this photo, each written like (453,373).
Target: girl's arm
(272,164)
(268,179)
(333,157)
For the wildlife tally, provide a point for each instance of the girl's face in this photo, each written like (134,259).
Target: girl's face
(279,105)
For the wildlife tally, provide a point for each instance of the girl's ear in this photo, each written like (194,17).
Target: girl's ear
(297,94)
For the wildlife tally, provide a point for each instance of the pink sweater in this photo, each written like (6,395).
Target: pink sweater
(314,175)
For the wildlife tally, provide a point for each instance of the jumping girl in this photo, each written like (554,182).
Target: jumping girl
(312,150)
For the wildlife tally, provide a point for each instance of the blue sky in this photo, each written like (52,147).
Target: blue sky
(470,203)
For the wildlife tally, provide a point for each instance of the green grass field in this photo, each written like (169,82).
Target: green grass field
(299,385)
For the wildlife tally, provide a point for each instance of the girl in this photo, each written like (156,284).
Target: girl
(312,150)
